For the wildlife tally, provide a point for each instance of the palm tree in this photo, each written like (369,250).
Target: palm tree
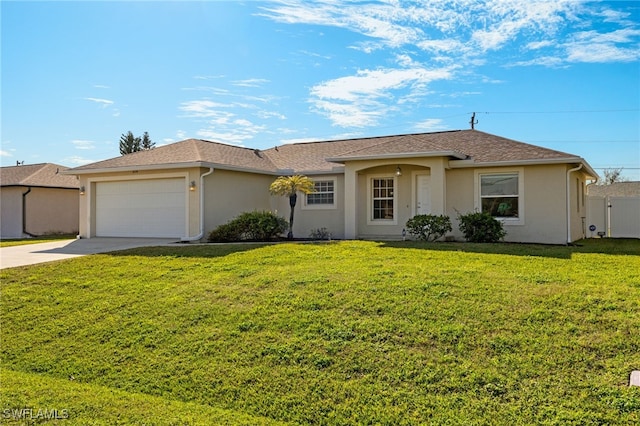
(289,186)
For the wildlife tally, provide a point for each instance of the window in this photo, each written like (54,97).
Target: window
(323,193)
(324,197)
(500,194)
(382,198)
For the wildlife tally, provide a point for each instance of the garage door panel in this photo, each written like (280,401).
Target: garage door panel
(142,208)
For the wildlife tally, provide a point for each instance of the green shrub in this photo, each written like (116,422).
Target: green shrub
(429,227)
(481,227)
(250,226)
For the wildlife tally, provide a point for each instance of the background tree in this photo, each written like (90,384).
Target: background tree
(146,142)
(130,143)
(612,176)
(289,186)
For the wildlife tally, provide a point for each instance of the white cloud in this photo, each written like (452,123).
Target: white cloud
(103,102)
(535,45)
(601,52)
(270,114)
(546,61)
(464,31)
(458,35)
(77,160)
(202,108)
(83,144)
(431,125)
(208,77)
(299,140)
(373,20)
(614,46)
(357,101)
(101,86)
(252,82)
(4,153)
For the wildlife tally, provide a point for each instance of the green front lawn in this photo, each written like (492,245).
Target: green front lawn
(337,333)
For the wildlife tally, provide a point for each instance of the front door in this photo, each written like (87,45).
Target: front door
(423,194)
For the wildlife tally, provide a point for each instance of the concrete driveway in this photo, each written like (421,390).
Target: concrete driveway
(30,254)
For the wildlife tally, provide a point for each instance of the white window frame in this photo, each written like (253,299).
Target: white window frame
(370,199)
(333,206)
(493,172)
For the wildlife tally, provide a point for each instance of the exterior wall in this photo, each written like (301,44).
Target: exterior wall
(52,211)
(460,183)
(11,211)
(48,211)
(578,205)
(229,193)
(307,218)
(87,206)
(544,218)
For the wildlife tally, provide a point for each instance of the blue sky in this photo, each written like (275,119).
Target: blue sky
(559,74)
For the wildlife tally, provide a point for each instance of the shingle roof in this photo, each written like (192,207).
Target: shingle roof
(326,156)
(45,175)
(478,146)
(616,189)
(188,152)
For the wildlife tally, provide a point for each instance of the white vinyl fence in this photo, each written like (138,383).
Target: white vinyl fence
(615,217)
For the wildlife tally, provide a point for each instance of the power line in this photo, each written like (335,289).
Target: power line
(557,112)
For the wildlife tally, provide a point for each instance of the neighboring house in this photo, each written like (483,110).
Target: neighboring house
(614,210)
(366,188)
(37,199)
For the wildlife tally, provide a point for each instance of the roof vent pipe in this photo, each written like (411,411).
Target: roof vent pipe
(201,234)
(575,169)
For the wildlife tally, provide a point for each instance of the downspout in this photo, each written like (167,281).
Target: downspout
(24,212)
(575,169)
(201,234)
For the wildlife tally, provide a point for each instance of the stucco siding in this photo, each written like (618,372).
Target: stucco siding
(308,218)
(230,193)
(47,211)
(11,211)
(544,215)
(459,198)
(52,211)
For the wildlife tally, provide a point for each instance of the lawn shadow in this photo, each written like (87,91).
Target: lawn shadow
(189,250)
(609,246)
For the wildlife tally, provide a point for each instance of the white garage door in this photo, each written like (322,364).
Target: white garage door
(141,208)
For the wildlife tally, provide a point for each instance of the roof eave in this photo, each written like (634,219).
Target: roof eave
(459,164)
(169,166)
(131,168)
(394,156)
(26,185)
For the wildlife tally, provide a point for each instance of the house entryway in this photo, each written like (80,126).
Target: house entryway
(423,194)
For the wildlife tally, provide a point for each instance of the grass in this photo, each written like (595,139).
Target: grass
(35,240)
(339,333)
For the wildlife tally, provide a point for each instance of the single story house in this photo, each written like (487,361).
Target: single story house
(367,188)
(38,199)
